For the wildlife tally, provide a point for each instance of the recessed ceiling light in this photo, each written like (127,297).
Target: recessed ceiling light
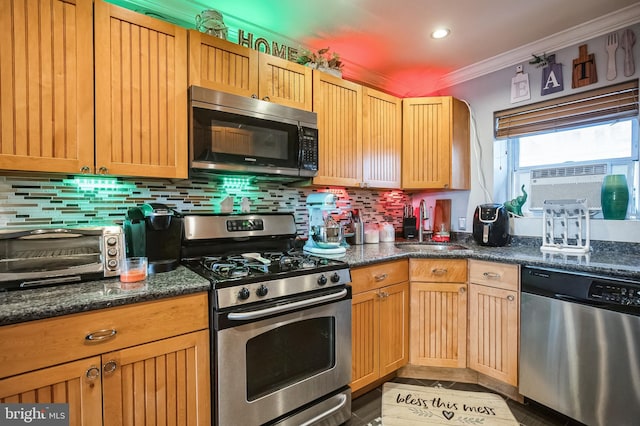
(440,33)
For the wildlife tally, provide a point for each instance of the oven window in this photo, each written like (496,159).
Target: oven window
(48,254)
(289,354)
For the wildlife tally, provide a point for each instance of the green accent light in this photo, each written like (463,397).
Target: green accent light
(235,183)
(97,184)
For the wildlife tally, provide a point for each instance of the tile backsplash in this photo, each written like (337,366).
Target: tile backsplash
(28,199)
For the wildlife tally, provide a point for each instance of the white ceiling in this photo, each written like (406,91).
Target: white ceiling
(386,43)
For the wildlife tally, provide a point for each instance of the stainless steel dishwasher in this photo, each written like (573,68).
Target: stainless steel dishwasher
(580,345)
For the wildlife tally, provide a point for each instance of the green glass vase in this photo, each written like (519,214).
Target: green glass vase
(614,197)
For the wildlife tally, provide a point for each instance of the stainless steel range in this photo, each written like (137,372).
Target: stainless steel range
(280,321)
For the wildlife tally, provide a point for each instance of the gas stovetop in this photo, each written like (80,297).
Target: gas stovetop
(214,246)
(225,271)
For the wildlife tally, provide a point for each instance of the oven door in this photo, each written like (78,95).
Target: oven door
(274,366)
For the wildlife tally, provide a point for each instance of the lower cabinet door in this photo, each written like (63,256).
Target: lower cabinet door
(365,359)
(163,382)
(493,332)
(394,327)
(438,324)
(76,383)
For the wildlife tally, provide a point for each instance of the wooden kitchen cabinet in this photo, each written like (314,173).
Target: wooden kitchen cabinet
(494,307)
(218,64)
(338,104)
(46,85)
(148,363)
(141,94)
(47,107)
(382,139)
(380,315)
(438,320)
(435,144)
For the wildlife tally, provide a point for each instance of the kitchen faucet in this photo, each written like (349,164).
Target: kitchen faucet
(421,213)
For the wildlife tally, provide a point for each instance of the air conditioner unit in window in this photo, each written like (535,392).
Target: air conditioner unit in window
(572,182)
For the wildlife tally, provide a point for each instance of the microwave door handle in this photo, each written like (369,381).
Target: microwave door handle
(240,316)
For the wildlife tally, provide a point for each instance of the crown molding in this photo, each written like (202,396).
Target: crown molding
(591,29)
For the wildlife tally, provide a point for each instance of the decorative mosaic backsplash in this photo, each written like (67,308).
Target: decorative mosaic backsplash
(47,199)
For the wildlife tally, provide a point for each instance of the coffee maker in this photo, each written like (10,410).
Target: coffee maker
(154,231)
(325,234)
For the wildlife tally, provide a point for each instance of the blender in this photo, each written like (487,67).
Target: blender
(325,234)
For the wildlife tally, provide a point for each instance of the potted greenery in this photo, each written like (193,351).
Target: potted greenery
(322,60)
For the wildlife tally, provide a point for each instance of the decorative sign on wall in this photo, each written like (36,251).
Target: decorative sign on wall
(584,69)
(551,77)
(520,86)
(261,44)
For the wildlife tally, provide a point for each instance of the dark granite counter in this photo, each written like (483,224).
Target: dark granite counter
(604,260)
(28,305)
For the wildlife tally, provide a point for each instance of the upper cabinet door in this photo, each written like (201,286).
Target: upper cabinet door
(285,82)
(339,106)
(218,64)
(46,85)
(382,139)
(426,159)
(141,94)
(435,144)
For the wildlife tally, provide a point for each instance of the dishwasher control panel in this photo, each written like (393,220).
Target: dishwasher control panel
(617,293)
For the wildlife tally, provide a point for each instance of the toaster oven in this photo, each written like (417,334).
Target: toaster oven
(32,258)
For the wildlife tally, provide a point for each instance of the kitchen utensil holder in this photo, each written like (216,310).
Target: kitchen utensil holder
(565,226)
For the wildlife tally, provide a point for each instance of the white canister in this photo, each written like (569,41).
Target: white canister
(387,233)
(371,234)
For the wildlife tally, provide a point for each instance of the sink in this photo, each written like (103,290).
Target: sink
(429,246)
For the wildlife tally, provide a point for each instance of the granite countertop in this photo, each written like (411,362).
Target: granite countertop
(28,305)
(614,259)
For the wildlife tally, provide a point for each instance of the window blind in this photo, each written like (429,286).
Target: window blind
(593,106)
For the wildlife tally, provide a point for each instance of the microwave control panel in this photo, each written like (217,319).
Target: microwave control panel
(309,148)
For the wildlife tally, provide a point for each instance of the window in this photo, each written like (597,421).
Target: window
(561,149)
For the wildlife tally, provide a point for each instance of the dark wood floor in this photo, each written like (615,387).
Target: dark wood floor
(366,409)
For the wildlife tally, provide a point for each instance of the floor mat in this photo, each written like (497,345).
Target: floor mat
(408,405)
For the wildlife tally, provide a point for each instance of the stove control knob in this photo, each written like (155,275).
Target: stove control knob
(322,280)
(335,278)
(244,293)
(262,290)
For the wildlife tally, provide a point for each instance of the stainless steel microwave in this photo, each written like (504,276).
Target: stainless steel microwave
(231,133)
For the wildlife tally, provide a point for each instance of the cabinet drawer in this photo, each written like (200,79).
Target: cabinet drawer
(37,344)
(494,274)
(379,275)
(438,270)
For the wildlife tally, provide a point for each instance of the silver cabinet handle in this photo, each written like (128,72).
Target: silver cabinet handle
(109,367)
(438,271)
(266,98)
(463,290)
(102,170)
(383,294)
(381,277)
(85,169)
(491,275)
(93,373)
(100,335)
(510,298)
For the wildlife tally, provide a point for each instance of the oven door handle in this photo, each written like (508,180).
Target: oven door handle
(241,316)
(342,400)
